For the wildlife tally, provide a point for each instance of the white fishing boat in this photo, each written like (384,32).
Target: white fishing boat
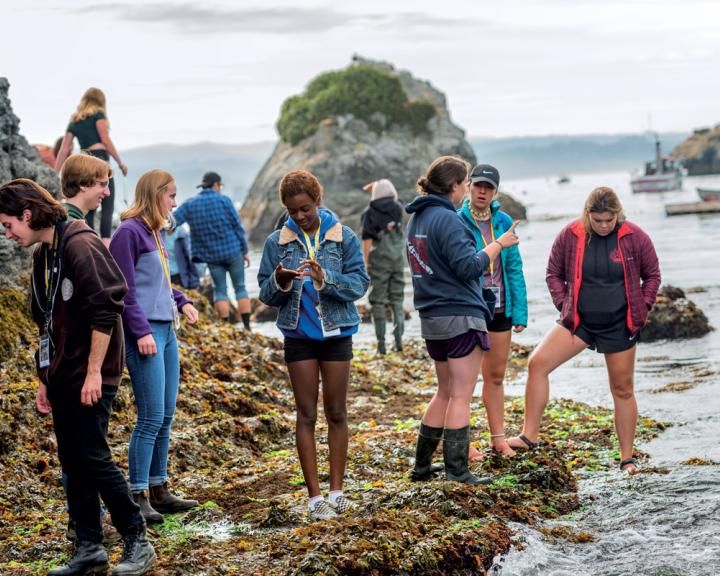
(709,194)
(661,175)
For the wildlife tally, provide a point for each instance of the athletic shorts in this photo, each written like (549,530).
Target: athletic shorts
(457,347)
(608,339)
(499,323)
(330,350)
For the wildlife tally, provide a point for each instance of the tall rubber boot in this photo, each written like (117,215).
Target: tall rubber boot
(399,324)
(378,314)
(428,439)
(455,455)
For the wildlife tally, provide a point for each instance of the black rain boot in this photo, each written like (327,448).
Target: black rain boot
(455,455)
(428,439)
(399,325)
(166,503)
(89,558)
(378,315)
(138,555)
(246,320)
(151,515)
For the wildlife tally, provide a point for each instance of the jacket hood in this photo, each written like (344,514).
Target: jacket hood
(327,221)
(383,205)
(422,202)
(75,227)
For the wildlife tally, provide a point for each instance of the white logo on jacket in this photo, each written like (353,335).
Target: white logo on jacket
(66,289)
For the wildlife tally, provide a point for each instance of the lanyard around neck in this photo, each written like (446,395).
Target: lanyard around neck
(51,264)
(313,246)
(485,242)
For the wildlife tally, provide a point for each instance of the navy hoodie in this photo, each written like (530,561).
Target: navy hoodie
(446,268)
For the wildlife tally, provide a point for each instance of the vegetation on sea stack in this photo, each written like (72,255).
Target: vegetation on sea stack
(359,90)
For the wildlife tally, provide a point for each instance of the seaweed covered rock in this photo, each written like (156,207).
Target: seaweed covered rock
(675,317)
(351,127)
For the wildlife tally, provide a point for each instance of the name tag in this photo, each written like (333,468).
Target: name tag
(44,353)
(496,292)
(326,333)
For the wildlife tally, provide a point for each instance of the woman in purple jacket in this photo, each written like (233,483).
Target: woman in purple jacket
(150,319)
(603,275)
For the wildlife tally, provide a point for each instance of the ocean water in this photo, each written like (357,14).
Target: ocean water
(659,525)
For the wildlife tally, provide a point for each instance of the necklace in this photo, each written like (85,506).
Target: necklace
(480,215)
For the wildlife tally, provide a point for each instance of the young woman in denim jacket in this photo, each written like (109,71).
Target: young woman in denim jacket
(481,212)
(313,270)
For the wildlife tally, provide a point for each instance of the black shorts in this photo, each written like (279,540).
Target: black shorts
(499,323)
(330,350)
(457,347)
(608,339)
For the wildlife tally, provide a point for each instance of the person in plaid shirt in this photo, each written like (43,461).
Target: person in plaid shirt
(218,239)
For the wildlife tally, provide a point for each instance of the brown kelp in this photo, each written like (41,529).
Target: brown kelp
(233,448)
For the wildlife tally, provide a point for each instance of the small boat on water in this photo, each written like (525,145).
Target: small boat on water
(564,179)
(661,175)
(709,194)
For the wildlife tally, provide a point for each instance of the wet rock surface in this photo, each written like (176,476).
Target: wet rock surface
(675,317)
(233,449)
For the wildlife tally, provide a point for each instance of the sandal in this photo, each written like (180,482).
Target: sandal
(630,462)
(529,444)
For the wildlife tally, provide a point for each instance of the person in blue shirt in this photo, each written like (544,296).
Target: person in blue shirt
(218,239)
(183,270)
(481,213)
(312,269)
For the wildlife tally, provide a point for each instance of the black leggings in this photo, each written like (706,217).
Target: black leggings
(108,204)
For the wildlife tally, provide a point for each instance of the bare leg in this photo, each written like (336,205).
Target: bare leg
(335,377)
(493,373)
(558,346)
(435,412)
(222,307)
(463,374)
(305,379)
(243,306)
(621,369)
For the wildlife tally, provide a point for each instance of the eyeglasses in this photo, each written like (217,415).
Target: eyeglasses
(103,183)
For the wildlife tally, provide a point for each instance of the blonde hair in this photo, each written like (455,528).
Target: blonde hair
(148,192)
(82,170)
(92,102)
(383,188)
(602,199)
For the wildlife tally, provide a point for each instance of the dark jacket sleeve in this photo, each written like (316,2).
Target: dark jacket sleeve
(98,278)
(457,244)
(556,275)
(649,270)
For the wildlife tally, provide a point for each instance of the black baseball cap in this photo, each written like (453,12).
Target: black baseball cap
(485,173)
(209,178)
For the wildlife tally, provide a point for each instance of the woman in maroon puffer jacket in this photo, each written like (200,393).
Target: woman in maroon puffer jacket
(603,275)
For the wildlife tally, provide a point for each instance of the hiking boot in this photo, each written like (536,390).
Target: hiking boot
(342,505)
(428,439)
(166,503)
(110,534)
(88,558)
(138,554)
(455,455)
(151,515)
(322,510)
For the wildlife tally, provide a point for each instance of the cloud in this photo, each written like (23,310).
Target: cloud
(200,19)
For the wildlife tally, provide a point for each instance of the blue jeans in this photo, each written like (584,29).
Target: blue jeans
(155,382)
(219,272)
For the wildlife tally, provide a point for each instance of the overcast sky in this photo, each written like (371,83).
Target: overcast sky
(219,70)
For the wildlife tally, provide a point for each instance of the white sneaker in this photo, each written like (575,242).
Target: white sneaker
(343,505)
(321,510)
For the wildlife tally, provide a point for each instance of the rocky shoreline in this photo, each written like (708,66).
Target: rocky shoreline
(233,448)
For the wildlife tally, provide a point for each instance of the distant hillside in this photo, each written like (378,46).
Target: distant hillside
(528,156)
(238,164)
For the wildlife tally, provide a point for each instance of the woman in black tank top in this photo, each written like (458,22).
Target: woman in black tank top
(90,126)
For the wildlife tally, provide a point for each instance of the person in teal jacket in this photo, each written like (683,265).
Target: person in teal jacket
(481,213)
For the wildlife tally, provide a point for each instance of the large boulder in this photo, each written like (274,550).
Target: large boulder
(700,152)
(18,159)
(674,317)
(348,150)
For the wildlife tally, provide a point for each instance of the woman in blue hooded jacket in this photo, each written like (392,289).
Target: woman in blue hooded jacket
(504,276)
(447,270)
(313,270)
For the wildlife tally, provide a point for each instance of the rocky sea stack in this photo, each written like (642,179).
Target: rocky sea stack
(18,159)
(700,152)
(675,317)
(351,127)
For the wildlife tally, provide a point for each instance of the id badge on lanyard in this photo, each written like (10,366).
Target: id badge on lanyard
(176,315)
(496,291)
(44,352)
